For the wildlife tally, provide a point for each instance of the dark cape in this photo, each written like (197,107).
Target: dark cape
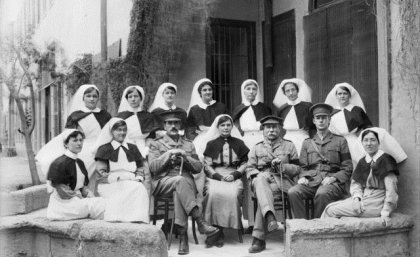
(302,113)
(157,112)
(63,171)
(260,110)
(72,121)
(215,147)
(199,116)
(148,121)
(382,167)
(356,118)
(107,153)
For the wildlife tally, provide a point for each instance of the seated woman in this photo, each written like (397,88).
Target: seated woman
(374,181)
(225,159)
(70,198)
(120,165)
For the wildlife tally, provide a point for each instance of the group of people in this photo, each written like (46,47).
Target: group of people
(107,168)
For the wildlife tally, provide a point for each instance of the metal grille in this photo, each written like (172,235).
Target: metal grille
(230,58)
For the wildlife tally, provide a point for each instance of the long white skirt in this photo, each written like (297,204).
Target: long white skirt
(75,208)
(297,137)
(127,201)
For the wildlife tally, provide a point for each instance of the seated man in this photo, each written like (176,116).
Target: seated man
(172,160)
(326,166)
(265,161)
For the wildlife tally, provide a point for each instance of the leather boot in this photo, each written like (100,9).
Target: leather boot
(183,242)
(271,222)
(203,227)
(257,246)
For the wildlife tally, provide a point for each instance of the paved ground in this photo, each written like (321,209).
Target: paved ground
(15,171)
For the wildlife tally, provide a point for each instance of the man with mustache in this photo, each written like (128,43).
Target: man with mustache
(265,162)
(172,161)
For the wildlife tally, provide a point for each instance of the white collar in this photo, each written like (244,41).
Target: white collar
(349,107)
(378,154)
(70,154)
(116,144)
(295,102)
(167,108)
(85,109)
(204,106)
(247,103)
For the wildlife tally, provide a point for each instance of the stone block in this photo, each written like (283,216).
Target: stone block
(348,237)
(29,235)
(24,201)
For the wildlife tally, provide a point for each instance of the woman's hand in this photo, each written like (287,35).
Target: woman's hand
(139,178)
(86,193)
(385,220)
(357,205)
(303,181)
(228,178)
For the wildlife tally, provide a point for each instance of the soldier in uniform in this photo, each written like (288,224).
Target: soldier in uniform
(326,166)
(172,161)
(269,157)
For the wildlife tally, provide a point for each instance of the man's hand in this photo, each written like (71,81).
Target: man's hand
(328,180)
(177,151)
(303,181)
(228,178)
(139,178)
(385,220)
(275,162)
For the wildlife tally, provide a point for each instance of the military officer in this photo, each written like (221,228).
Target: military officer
(269,157)
(326,166)
(172,161)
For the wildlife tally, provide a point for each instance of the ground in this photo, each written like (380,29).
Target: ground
(14,171)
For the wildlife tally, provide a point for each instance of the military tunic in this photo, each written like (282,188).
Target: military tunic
(169,178)
(336,163)
(266,181)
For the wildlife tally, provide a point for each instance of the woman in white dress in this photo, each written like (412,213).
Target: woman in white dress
(88,118)
(246,118)
(140,122)
(120,165)
(293,100)
(164,101)
(348,118)
(202,111)
(70,198)
(374,191)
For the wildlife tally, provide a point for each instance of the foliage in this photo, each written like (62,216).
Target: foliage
(79,73)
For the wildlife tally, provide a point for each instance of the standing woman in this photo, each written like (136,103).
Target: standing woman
(70,198)
(225,159)
(202,111)
(140,122)
(88,118)
(373,189)
(246,118)
(120,166)
(348,118)
(164,101)
(293,100)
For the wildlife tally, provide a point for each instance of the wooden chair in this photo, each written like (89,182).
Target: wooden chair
(166,204)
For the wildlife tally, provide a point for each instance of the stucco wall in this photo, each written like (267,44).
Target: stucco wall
(405,124)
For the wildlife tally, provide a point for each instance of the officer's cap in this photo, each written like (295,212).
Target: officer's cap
(271,119)
(321,109)
(171,115)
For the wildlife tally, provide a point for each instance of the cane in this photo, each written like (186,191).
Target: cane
(282,193)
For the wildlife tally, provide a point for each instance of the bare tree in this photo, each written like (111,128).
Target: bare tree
(14,72)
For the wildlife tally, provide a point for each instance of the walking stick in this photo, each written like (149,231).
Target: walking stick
(282,194)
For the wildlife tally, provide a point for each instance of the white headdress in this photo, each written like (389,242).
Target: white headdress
(52,150)
(304,94)
(355,98)
(77,103)
(388,144)
(258,97)
(105,136)
(213,131)
(159,101)
(125,106)
(195,95)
